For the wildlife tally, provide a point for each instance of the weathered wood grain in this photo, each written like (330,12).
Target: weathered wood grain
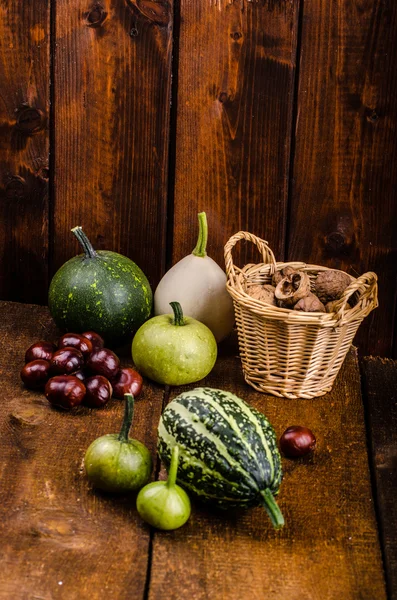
(60,539)
(329,546)
(112,92)
(343,208)
(24,147)
(234,107)
(380,385)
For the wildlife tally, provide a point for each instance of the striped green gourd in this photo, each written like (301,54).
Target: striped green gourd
(228,450)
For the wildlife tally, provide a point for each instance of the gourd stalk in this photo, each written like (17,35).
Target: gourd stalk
(128,416)
(173,467)
(84,241)
(272,509)
(201,246)
(178,313)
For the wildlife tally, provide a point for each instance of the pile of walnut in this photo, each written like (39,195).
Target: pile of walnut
(291,289)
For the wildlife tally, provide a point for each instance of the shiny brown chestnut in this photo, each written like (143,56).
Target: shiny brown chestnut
(127,381)
(81,374)
(95,339)
(99,391)
(65,391)
(104,362)
(75,340)
(297,441)
(65,361)
(40,351)
(35,373)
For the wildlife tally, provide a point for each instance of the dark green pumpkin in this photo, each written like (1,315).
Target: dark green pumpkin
(101,291)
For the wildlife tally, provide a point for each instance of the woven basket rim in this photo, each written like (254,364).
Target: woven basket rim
(367,283)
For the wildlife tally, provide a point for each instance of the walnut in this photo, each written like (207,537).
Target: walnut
(310,303)
(278,275)
(265,293)
(292,288)
(331,284)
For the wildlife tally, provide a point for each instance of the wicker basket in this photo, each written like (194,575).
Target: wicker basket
(285,352)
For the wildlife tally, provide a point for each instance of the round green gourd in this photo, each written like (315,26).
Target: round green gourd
(101,291)
(228,450)
(163,504)
(174,349)
(116,462)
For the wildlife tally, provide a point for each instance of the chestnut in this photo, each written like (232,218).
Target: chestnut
(99,391)
(297,441)
(75,340)
(80,374)
(35,373)
(95,339)
(127,381)
(104,362)
(40,351)
(64,391)
(66,360)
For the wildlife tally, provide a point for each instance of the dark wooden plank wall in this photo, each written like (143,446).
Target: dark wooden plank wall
(343,202)
(111,119)
(234,119)
(24,148)
(282,122)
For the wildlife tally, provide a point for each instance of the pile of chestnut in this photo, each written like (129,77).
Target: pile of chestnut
(79,371)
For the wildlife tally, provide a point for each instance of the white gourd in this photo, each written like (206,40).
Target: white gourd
(199,285)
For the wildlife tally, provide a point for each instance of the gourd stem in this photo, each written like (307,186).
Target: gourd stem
(84,241)
(173,467)
(272,509)
(128,416)
(178,313)
(201,246)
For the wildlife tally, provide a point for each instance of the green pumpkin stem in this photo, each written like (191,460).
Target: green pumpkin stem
(178,313)
(272,509)
(173,467)
(128,416)
(84,241)
(201,246)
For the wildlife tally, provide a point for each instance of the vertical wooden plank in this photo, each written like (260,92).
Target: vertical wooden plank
(380,384)
(235,95)
(24,148)
(343,210)
(112,90)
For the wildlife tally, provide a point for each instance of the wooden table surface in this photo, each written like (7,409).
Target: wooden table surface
(61,539)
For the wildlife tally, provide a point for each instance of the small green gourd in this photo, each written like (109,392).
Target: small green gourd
(116,462)
(164,504)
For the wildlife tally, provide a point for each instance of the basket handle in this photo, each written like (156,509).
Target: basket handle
(367,287)
(262,245)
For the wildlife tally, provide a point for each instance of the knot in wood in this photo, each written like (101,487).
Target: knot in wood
(158,12)
(16,189)
(372,116)
(336,242)
(30,120)
(95,16)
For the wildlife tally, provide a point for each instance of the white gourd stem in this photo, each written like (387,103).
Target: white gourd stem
(201,246)
(173,467)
